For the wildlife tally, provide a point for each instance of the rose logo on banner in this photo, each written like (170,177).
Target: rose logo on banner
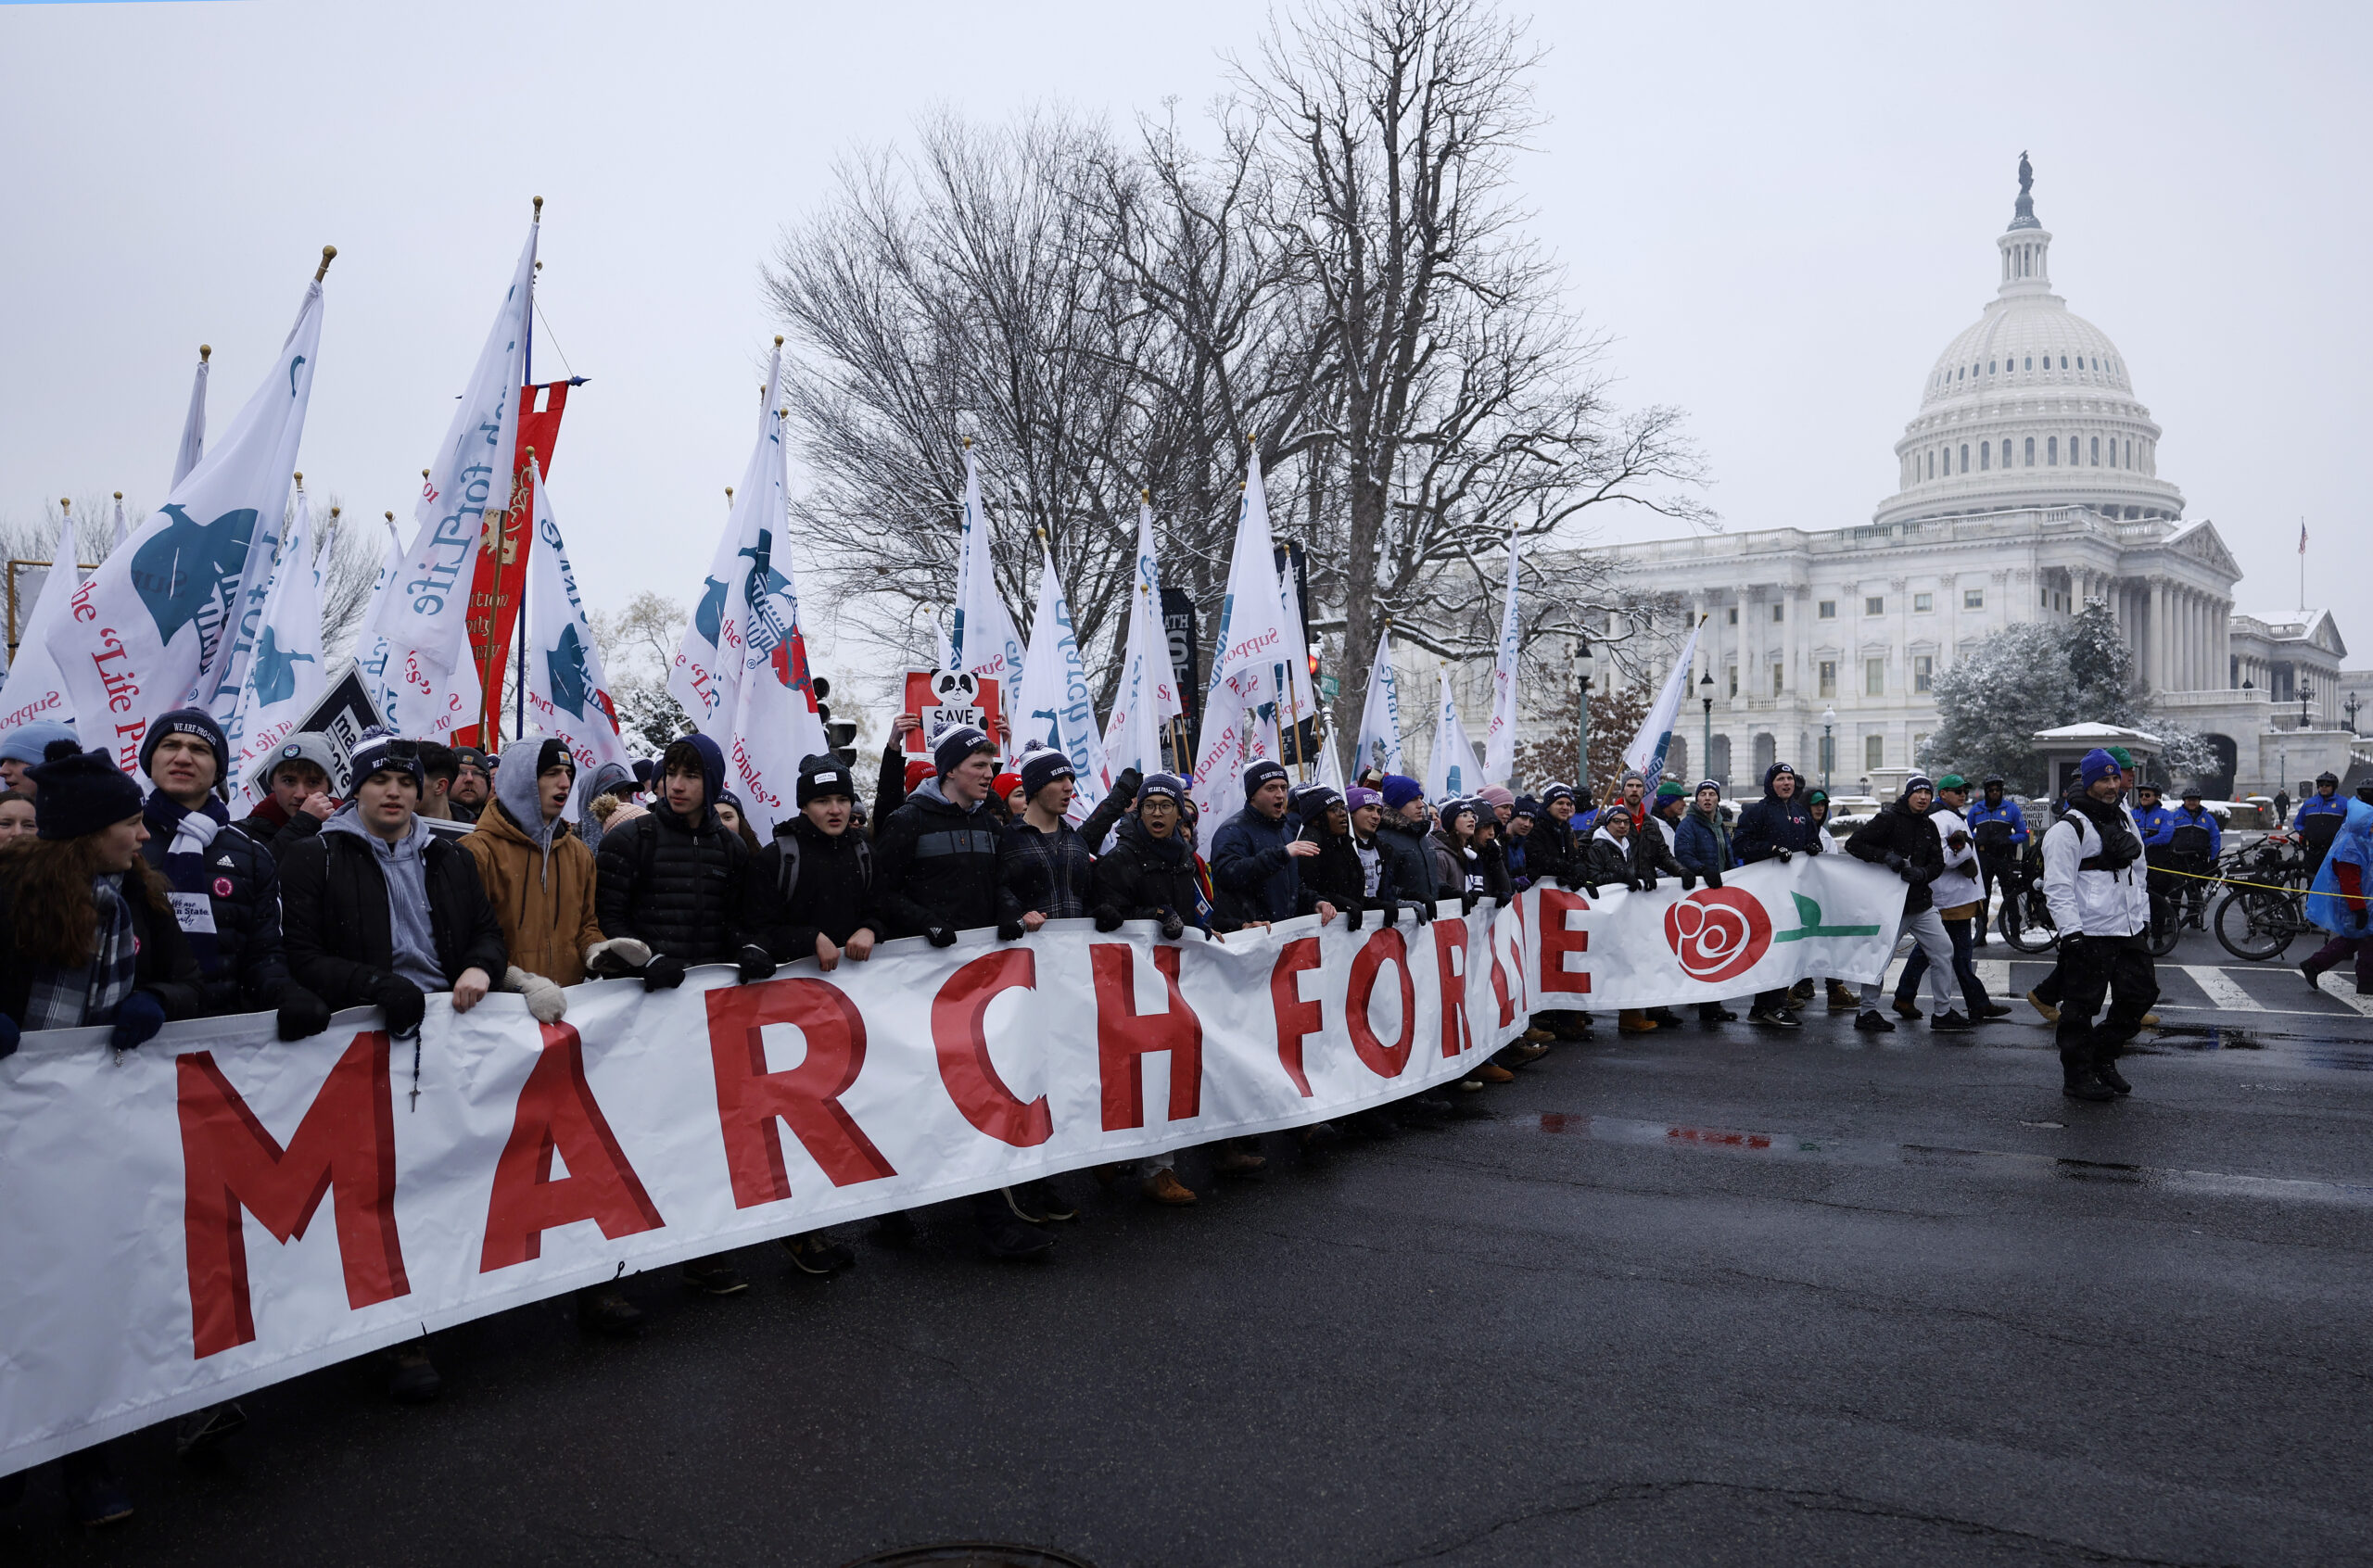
(1718,932)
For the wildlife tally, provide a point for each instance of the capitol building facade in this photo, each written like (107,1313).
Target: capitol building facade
(2028,485)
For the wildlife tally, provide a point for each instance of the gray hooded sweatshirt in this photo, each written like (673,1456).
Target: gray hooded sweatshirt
(406,870)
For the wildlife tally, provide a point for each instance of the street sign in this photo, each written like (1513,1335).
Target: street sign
(943,699)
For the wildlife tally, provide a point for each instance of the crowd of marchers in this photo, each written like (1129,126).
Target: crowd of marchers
(451,871)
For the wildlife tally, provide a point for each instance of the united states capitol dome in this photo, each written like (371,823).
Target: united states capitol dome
(2030,407)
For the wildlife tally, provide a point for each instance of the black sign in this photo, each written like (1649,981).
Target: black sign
(1178,621)
(343,713)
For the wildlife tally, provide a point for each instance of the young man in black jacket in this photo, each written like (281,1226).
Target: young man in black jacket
(377,910)
(1049,865)
(297,800)
(1902,838)
(1779,827)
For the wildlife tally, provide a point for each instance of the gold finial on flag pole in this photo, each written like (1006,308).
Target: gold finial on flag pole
(329,253)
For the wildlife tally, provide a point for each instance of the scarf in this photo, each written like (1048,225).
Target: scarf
(72,998)
(188,834)
(1172,853)
(2120,848)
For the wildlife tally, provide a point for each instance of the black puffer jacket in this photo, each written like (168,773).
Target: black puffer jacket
(1771,824)
(1901,832)
(335,921)
(674,884)
(243,889)
(1145,878)
(1553,852)
(936,864)
(1410,857)
(1335,875)
(833,895)
(162,966)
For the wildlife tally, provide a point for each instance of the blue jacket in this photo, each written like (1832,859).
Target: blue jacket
(2317,805)
(1699,844)
(2156,822)
(1979,812)
(2329,905)
(1772,825)
(1254,877)
(2179,817)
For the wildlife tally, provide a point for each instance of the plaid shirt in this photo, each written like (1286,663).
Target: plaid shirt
(1050,872)
(72,998)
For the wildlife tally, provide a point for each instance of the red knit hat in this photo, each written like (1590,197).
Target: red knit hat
(1005,784)
(918,769)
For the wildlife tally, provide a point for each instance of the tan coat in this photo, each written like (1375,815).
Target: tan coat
(545,903)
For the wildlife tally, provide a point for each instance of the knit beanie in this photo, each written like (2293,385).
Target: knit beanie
(1260,773)
(30,742)
(1161,785)
(1400,790)
(1005,784)
(1359,795)
(1041,769)
(189,721)
(80,794)
(1556,792)
(2098,764)
(1498,795)
(1526,806)
(822,775)
(918,770)
(383,751)
(958,742)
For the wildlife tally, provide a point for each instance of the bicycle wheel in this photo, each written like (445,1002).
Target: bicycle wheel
(2167,927)
(2254,924)
(2026,923)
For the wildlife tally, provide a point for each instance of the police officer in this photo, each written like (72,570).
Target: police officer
(1999,829)
(2320,815)
(2194,840)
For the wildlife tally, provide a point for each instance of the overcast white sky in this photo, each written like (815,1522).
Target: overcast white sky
(1782,214)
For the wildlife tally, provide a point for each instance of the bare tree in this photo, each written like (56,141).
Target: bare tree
(638,646)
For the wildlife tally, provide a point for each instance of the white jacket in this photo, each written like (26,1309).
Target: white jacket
(1959,885)
(2108,903)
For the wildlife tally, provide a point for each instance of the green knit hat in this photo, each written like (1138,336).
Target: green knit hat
(1952,781)
(1671,791)
(2124,758)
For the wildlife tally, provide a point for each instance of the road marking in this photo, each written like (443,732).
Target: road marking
(1993,974)
(2330,984)
(2224,993)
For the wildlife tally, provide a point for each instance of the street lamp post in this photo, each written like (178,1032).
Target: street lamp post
(1583,664)
(2305,692)
(1706,700)
(2350,708)
(1828,747)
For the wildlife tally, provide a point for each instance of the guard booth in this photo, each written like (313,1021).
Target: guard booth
(2063,750)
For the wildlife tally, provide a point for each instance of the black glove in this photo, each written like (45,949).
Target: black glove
(757,963)
(1352,919)
(301,1013)
(1645,882)
(9,1035)
(1466,901)
(1894,861)
(1126,785)
(1713,878)
(1688,879)
(665,972)
(1173,928)
(1008,931)
(940,936)
(1590,889)
(1107,918)
(138,1018)
(1921,876)
(1783,856)
(403,1002)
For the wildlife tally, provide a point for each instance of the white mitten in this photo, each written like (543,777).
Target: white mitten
(545,1002)
(618,957)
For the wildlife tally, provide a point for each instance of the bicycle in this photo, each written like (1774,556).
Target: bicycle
(2258,922)
(2025,921)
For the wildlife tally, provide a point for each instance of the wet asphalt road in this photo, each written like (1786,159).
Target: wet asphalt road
(1730,1297)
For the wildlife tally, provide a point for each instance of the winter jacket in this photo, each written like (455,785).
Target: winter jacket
(2337,902)
(1957,884)
(1147,878)
(1772,825)
(2190,834)
(278,830)
(936,864)
(1256,878)
(1630,861)
(674,883)
(890,787)
(1897,837)
(338,928)
(2002,827)
(1702,843)
(2103,901)
(1450,861)
(540,881)
(1556,851)
(1651,851)
(163,967)
(1054,873)
(241,958)
(1404,846)
(2154,823)
(808,883)
(1335,875)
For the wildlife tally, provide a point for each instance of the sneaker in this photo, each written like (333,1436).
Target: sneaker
(1006,1239)
(1665,1017)
(1871,1021)
(1949,1022)
(1843,999)
(895,1228)
(1718,1017)
(1163,1187)
(1492,1072)
(2109,1075)
(2050,1014)
(1996,1011)
(817,1253)
(97,1498)
(608,1314)
(1240,1162)
(411,1379)
(1423,1110)
(1907,1010)
(2086,1085)
(1471,1085)
(1041,1197)
(200,1429)
(709,1278)
(1572,1026)
(1321,1135)
(1772,1017)
(2309,974)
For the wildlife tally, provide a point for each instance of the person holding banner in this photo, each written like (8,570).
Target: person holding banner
(1904,839)
(1776,828)
(298,799)
(1050,864)
(1255,853)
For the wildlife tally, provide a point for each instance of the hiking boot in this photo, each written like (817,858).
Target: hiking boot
(1240,1162)
(1537,1036)
(2109,1075)
(1802,992)
(608,1314)
(411,1379)
(817,1253)
(1843,999)
(1718,1017)
(1492,1072)
(1665,1017)
(2150,1020)
(1526,1053)
(1871,1021)
(2309,972)
(1772,1017)
(1163,1187)
(1571,1026)
(1907,1010)
(1007,1238)
(2050,1014)
(201,1430)
(2086,1085)
(1633,1022)
(1949,1022)
(708,1277)
(94,1494)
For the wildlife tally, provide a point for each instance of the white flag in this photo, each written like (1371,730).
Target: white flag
(568,696)
(370,646)
(158,612)
(283,675)
(983,637)
(1500,738)
(123,528)
(1646,753)
(707,675)
(1380,714)
(1250,677)
(1451,770)
(434,685)
(1330,764)
(33,690)
(1054,706)
(193,444)
(1147,697)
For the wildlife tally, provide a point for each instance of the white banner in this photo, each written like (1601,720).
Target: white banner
(981,638)
(33,688)
(707,675)
(1054,706)
(1251,672)
(1645,755)
(568,694)
(1380,714)
(218,1210)
(1147,700)
(1451,770)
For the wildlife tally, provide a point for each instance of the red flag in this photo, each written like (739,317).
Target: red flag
(503,563)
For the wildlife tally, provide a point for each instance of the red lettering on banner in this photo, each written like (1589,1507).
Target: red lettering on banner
(1296,1018)
(1557,941)
(1450,965)
(1386,947)
(959,1033)
(1124,1037)
(1501,990)
(807,1097)
(557,1113)
(345,1146)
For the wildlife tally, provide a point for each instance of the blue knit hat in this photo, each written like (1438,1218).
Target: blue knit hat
(2098,764)
(1400,790)
(1161,785)
(30,742)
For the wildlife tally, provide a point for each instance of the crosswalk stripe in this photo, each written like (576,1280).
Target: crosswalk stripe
(2222,990)
(1993,974)
(2343,990)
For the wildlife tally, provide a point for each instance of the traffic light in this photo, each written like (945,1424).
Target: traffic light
(837,737)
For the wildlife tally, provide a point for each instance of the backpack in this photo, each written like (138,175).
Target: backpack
(787,878)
